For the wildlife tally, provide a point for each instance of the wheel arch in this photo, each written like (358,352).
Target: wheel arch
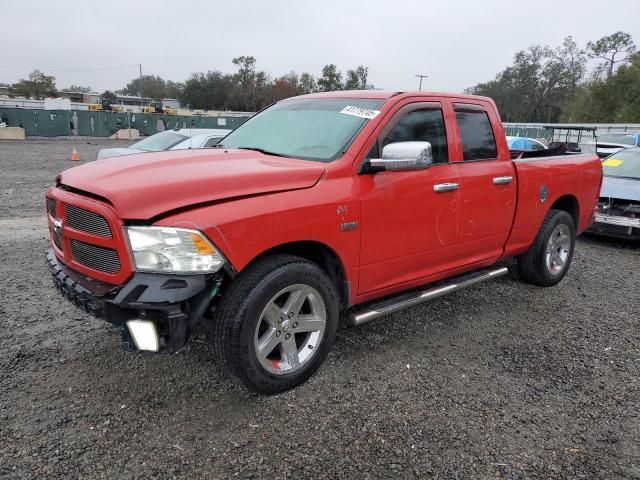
(569,204)
(320,254)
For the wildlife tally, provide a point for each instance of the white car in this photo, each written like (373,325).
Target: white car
(182,139)
(612,142)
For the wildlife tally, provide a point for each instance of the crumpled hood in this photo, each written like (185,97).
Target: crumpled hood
(144,186)
(621,188)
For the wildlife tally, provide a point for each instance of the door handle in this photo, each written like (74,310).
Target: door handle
(502,180)
(445,187)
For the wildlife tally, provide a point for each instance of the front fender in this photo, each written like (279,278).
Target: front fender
(245,228)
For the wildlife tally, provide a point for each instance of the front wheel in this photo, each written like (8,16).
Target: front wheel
(548,259)
(276,324)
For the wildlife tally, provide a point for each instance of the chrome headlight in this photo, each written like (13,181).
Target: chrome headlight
(173,250)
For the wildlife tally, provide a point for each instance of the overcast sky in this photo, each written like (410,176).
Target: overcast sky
(458,43)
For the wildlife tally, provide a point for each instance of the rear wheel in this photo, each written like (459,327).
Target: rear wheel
(548,259)
(276,324)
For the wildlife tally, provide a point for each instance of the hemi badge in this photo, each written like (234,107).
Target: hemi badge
(348,226)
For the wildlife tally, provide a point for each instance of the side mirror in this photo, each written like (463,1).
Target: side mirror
(403,156)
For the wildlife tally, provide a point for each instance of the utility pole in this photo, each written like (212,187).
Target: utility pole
(141,102)
(421,77)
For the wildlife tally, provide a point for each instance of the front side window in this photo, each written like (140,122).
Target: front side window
(424,125)
(212,142)
(478,141)
(313,129)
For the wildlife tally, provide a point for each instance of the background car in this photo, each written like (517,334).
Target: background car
(182,139)
(612,142)
(525,144)
(619,204)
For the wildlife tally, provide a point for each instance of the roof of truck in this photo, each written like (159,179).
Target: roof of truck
(385,94)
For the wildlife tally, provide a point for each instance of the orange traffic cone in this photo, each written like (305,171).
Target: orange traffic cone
(74,155)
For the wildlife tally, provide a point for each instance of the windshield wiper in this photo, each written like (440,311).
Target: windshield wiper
(262,150)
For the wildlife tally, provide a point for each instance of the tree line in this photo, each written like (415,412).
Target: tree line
(247,89)
(250,89)
(547,85)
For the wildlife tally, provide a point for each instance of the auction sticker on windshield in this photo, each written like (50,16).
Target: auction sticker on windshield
(360,112)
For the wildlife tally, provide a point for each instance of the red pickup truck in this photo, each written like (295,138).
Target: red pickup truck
(316,206)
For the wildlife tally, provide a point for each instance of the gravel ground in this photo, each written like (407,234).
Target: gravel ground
(504,380)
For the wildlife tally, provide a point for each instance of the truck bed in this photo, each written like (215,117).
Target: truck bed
(544,181)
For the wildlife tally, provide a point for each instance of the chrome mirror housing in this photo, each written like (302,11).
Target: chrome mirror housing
(404,156)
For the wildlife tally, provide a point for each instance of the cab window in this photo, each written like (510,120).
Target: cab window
(478,141)
(423,125)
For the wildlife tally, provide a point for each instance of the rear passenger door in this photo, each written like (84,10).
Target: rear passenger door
(487,185)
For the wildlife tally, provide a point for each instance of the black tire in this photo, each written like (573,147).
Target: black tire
(237,316)
(533,265)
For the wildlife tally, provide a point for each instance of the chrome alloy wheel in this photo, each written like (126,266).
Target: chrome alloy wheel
(290,329)
(558,249)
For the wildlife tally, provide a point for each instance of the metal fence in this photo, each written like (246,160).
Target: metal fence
(537,130)
(55,123)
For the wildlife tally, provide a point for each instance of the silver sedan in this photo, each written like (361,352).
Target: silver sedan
(182,139)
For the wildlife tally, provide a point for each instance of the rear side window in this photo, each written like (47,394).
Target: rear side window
(535,146)
(424,125)
(619,138)
(478,141)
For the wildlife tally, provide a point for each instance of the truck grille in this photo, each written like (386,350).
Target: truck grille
(97,258)
(51,206)
(86,221)
(86,235)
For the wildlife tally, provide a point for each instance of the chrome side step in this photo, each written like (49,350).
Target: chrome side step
(393,305)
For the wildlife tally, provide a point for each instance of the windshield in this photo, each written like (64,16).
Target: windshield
(159,141)
(625,163)
(312,129)
(622,138)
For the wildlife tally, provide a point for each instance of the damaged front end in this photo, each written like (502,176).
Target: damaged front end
(618,218)
(154,312)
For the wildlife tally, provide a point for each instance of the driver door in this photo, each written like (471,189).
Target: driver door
(409,224)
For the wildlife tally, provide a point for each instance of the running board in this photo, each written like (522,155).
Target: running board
(387,307)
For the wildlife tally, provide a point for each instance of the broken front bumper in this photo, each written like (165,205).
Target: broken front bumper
(173,303)
(616,226)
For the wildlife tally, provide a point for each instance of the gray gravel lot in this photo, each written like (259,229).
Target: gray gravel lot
(504,380)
